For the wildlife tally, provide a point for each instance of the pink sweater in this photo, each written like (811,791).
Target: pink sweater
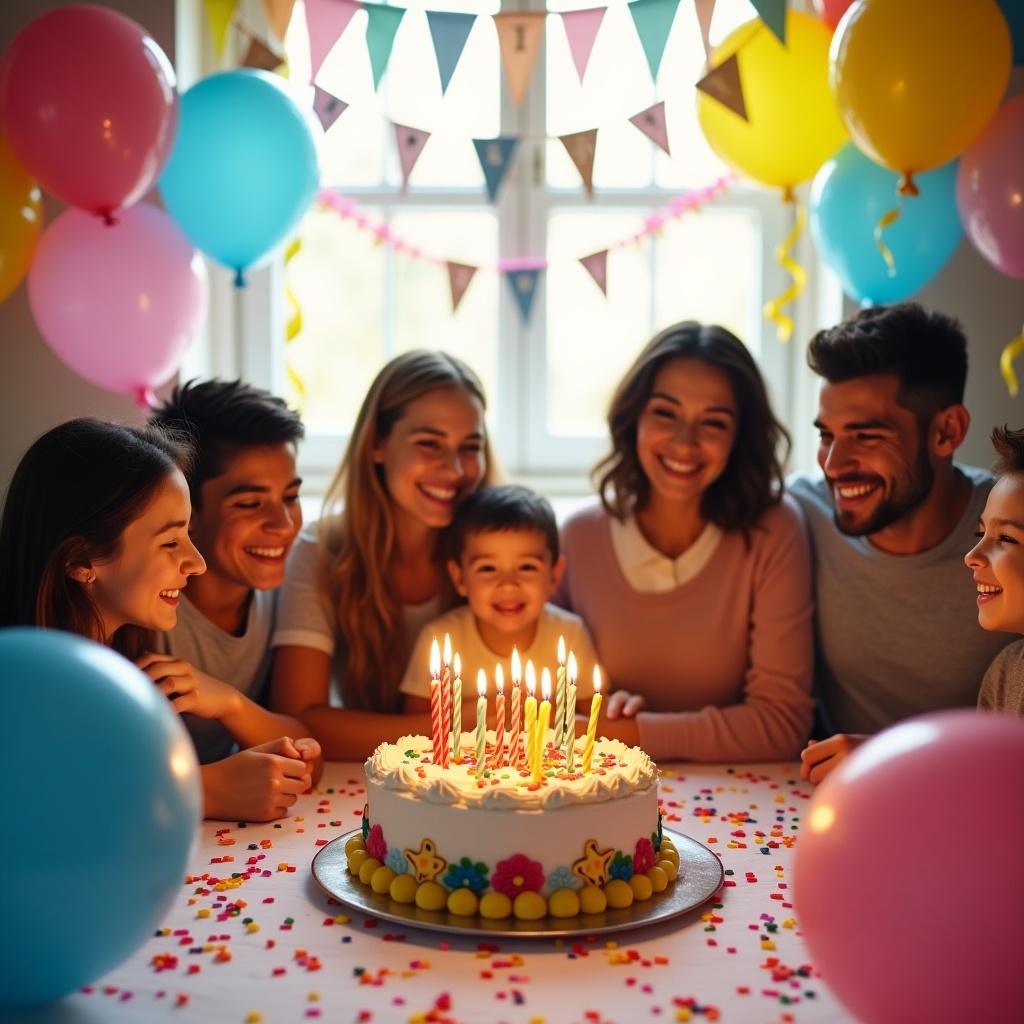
(724,660)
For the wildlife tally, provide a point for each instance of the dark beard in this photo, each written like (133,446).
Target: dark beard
(904,499)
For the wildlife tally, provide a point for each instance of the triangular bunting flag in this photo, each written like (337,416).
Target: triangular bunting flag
(410,144)
(218,16)
(773,14)
(327,107)
(326,20)
(494,156)
(459,276)
(581,30)
(652,123)
(723,84)
(524,288)
(653,20)
(519,36)
(381,26)
(279,15)
(581,147)
(449,33)
(261,56)
(596,265)
(705,10)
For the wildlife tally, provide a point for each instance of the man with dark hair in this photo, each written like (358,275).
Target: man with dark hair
(896,629)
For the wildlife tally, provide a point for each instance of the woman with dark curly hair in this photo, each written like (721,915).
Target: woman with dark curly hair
(693,572)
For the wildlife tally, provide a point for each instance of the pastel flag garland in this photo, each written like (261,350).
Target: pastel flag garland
(705,10)
(449,33)
(519,37)
(596,265)
(279,15)
(773,14)
(326,21)
(582,147)
(581,28)
(494,156)
(652,123)
(523,281)
(410,144)
(723,84)
(219,15)
(653,21)
(259,55)
(327,106)
(381,25)
(459,277)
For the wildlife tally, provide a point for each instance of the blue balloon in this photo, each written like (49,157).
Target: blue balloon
(244,167)
(100,833)
(849,196)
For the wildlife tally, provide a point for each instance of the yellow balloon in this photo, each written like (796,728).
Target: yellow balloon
(21,218)
(917,80)
(792,124)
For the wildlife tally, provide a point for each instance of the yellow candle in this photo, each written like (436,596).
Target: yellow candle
(595,708)
(530,713)
(543,721)
(481,721)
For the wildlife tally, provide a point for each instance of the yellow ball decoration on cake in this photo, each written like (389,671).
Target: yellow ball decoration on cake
(431,896)
(355,843)
(593,900)
(658,878)
(669,853)
(381,879)
(529,906)
(403,888)
(641,886)
(619,893)
(670,868)
(495,906)
(463,902)
(367,868)
(564,903)
(356,858)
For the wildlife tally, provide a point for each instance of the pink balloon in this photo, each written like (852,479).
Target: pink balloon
(830,11)
(908,882)
(990,190)
(119,305)
(88,106)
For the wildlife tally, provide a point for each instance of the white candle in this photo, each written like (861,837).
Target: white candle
(481,720)
(569,738)
(457,707)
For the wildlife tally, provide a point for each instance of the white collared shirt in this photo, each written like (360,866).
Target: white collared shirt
(647,570)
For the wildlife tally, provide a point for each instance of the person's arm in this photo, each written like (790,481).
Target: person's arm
(820,757)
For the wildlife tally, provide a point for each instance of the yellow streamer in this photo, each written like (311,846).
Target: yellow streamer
(783,253)
(293,328)
(1012,350)
(885,221)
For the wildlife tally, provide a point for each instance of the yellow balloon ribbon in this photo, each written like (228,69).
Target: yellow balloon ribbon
(1012,350)
(293,328)
(885,221)
(784,323)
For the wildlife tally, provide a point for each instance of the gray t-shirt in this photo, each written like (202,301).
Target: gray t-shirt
(242,661)
(1002,689)
(895,635)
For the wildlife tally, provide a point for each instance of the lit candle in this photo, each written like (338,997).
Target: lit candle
(499,716)
(481,720)
(570,715)
(560,692)
(446,700)
(514,756)
(435,701)
(543,721)
(595,708)
(530,714)
(457,708)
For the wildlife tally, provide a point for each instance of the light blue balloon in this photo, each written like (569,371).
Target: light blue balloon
(105,811)
(849,196)
(244,167)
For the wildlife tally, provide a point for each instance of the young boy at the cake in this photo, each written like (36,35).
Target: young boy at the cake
(997,564)
(244,489)
(504,558)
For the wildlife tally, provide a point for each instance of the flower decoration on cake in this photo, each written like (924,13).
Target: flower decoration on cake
(621,866)
(563,878)
(518,874)
(643,858)
(375,845)
(467,875)
(425,863)
(396,861)
(366,821)
(593,866)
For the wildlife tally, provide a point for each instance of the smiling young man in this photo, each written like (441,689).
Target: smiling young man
(890,520)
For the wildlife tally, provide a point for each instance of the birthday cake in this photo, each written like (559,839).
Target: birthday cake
(507,842)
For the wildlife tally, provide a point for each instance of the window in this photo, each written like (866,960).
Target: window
(548,380)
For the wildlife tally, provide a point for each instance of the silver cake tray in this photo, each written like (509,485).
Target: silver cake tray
(700,877)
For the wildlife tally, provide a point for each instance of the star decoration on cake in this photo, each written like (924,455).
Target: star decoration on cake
(425,863)
(594,865)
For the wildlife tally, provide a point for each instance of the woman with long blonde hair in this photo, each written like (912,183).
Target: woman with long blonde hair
(359,589)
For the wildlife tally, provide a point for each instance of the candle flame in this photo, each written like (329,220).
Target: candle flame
(517,668)
(435,659)
(499,678)
(457,665)
(572,670)
(561,650)
(447,649)
(597,679)
(545,683)
(531,679)
(481,682)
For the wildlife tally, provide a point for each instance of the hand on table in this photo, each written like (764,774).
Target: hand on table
(622,703)
(819,757)
(189,689)
(260,783)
